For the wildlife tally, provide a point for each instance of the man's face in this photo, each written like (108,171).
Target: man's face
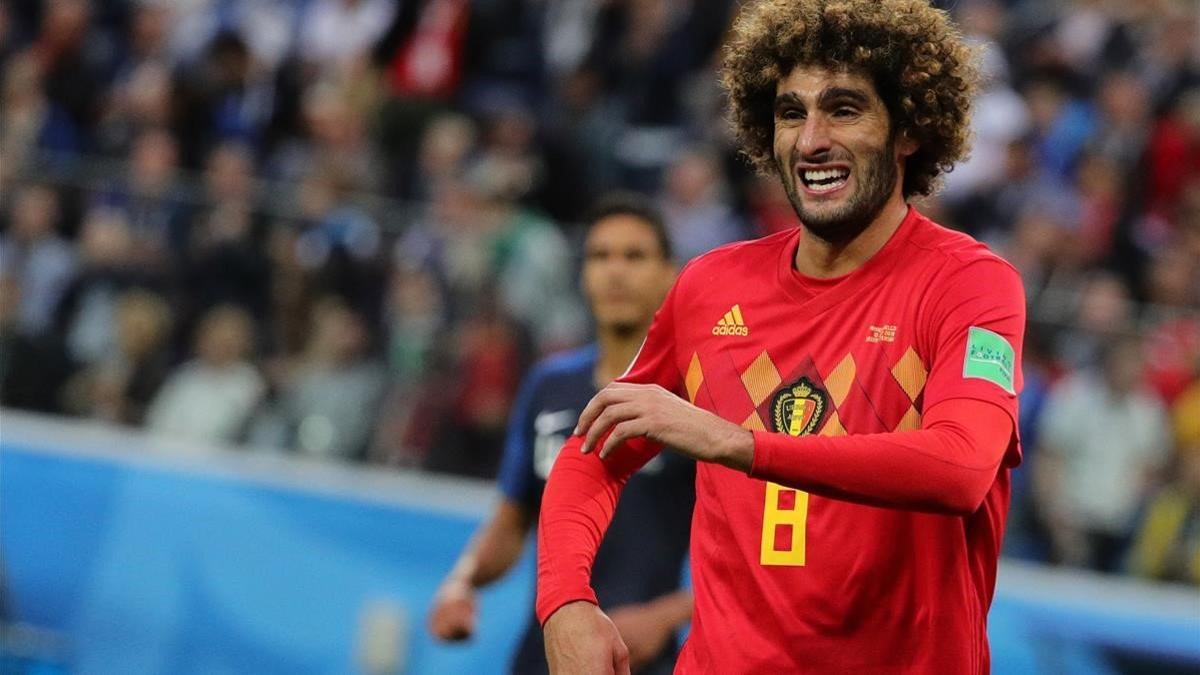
(625,275)
(835,149)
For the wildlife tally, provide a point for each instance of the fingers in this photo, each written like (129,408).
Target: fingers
(593,409)
(612,414)
(453,620)
(620,658)
(454,628)
(616,392)
(621,433)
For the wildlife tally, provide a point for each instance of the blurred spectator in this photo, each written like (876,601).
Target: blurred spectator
(415,316)
(265,27)
(120,386)
(32,368)
(33,251)
(149,34)
(225,262)
(1000,115)
(138,104)
(340,242)
(1104,309)
(422,51)
(696,205)
(335,134)
(445,146)
(151,200)
(418,403)
(76,57)
(1101,186)
(29,120)
(1103,438)
(770,210)
(486,245)
(1021,190)
(643,53)
(1122,131)
(337,33)
(1025,534)
(212,397)
(87,313)
(1062,124)
(1174,155)
(221,98)
(489,366)
(327,405)
(508,150)
(1173,339)
(1167,544)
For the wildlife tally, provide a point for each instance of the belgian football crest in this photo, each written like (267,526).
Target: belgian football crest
(798,408)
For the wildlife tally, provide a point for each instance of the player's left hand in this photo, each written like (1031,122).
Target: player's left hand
(645,632)
(648,410)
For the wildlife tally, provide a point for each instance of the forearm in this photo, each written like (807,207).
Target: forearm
(577,507)
(674,608)
(947,466)
(495,548)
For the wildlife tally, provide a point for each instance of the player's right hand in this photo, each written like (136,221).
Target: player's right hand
(453,615)
(581,640)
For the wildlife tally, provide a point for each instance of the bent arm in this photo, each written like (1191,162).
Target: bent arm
(495,548)
(947,466)
(577,508)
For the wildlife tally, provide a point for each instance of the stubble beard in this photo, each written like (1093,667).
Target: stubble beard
(871,193)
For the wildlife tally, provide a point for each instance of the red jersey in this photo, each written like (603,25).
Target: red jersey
(788,581)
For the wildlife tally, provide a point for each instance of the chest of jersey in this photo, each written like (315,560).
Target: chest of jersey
(768,362)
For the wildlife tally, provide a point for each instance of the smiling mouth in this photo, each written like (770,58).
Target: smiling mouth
(824,180)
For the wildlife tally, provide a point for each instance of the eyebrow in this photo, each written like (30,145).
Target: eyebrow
(833,93)
(786,99)
(826,97)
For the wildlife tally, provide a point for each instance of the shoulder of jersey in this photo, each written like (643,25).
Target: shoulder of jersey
(739,257)
(566,363)
(959,248)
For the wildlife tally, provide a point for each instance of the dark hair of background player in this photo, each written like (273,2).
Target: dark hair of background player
(638,206)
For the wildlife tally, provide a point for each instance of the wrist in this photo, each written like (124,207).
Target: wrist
(458,582)
(566,611)
(737,448)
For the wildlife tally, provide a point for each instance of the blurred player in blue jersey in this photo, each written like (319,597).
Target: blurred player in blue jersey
(627,270)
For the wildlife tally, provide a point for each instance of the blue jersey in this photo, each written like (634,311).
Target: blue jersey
(642,555)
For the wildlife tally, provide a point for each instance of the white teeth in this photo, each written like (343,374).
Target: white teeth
(826,174)
(825,179)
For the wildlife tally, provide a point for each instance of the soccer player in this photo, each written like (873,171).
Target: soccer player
(627,270)
(848,389)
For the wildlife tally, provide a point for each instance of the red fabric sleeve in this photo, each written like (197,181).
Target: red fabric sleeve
(582,491)
(947,466)
(986,295)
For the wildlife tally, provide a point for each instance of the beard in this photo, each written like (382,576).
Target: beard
(874,185)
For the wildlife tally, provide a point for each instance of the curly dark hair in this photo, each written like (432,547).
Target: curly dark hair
(923,71)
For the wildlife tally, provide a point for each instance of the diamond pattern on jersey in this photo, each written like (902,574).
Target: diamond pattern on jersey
(838,381)
(910,374)
(761,379)
(694,377)
(753,422)
(866,395)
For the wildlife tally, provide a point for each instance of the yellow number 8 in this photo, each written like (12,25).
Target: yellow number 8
(785,518)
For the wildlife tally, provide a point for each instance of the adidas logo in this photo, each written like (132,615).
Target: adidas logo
(732,323)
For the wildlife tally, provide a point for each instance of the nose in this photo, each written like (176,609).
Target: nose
(814,141)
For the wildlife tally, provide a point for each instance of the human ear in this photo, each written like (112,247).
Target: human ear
(906,145)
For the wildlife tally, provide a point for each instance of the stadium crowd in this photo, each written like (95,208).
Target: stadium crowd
(344,228)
